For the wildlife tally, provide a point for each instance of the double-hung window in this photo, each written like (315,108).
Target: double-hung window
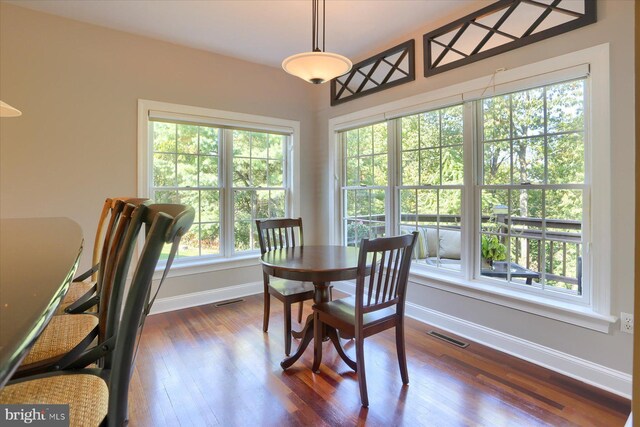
(231,168)
(498,180)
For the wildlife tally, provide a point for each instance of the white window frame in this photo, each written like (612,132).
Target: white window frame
(594,312)
(228,258)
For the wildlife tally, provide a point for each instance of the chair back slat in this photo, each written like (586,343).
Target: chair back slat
(279,233)
(112,249)
(115,209)
(386,261)
(100,230)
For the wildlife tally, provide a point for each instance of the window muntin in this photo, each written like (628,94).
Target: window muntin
(532,187)
(186,169)
(365,178)
(530,128)
(432,178)
(259,189)
(188,163)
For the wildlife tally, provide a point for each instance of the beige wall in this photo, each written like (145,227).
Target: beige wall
(78,87)
(615,25)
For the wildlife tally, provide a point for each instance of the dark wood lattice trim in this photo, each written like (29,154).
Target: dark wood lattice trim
(431,65)
(341,84)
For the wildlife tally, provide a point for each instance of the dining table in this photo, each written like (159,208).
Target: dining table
(38,258)
(320,265)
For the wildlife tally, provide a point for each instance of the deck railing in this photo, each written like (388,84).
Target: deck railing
(563,240)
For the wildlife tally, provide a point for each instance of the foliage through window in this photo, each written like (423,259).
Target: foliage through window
(365,179)
(188,165)
(533,184)
(519,194)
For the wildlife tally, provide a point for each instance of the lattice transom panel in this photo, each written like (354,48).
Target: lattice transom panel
(387,69)
(500,27)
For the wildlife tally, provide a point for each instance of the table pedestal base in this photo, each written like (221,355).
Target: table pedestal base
(307,334)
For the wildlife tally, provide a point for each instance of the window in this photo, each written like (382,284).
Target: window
(365,181)
(259,189)
(532,188)
(431,188)
(186,169)
(231,168)
(497,175)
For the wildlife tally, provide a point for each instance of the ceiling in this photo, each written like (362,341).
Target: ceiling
(261,31)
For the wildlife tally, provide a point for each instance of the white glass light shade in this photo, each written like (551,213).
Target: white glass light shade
(316,67)
(7,110)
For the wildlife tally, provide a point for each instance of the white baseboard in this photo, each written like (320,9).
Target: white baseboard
(583,370)
(162,305)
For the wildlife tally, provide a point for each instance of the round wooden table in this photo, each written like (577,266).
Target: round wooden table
(320,265)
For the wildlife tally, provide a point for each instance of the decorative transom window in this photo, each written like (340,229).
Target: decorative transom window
(496,187)
(231,172)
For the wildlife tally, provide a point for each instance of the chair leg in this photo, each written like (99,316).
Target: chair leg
(317,343)
(402,355)
(362,380)
(267,308)
(300,311)
(287,328)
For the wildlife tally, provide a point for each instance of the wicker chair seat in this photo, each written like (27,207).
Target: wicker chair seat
(76,291)
(87,396)
(60,336)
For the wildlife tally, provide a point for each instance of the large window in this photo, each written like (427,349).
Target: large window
(365,183)
(230,170)
(532,188)
(507,172)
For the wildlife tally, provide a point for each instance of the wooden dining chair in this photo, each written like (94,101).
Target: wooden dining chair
(99,396)
(378,303)
(278,234)
(84,293)
(68,336)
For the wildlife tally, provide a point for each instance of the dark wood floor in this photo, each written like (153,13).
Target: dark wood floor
(214,366)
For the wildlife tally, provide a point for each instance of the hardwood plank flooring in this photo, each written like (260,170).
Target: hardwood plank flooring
(213,366)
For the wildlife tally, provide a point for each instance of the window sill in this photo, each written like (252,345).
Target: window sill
(574,314)
(200,266)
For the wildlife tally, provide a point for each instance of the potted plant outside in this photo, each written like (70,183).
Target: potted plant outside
(492,250)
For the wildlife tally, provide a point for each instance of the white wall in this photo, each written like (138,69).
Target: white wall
(615,26)
(78,86)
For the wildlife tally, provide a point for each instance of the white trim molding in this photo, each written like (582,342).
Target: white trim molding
(600,376)
(179,302)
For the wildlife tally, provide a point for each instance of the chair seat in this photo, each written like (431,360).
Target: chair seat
(290,287)
(60,336)
(344,309)
(76,291)
(87,396)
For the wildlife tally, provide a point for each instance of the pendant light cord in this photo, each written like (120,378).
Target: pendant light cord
(315,25)
(324,21)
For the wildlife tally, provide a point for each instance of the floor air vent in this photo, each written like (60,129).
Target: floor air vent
(448,339)
(231,301)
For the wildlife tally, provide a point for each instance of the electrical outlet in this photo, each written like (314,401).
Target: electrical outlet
(626,322)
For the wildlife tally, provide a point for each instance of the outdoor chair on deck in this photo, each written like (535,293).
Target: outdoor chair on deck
(377,305)
(100,395)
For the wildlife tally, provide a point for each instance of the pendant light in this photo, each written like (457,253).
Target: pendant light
(7,110)
(317,66)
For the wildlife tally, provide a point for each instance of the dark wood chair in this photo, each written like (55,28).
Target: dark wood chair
(378,304)
(98,394)
(278,234)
